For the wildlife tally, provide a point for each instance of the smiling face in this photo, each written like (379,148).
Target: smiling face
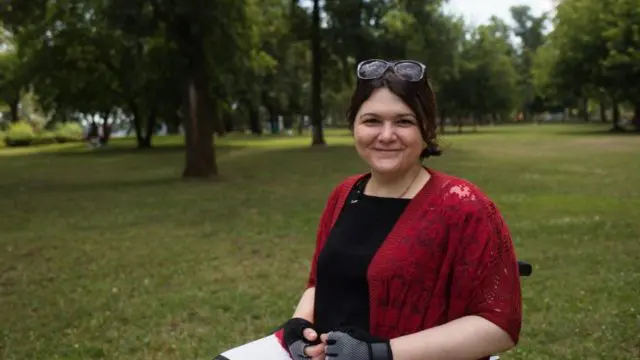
(387,134)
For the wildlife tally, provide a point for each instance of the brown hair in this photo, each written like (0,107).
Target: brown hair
(419,96)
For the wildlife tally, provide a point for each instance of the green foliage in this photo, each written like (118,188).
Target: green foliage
(127,55)
(621,33)
(594,48)
(20,133)
(68,132)
(44,138)
(10,76)
(23,133)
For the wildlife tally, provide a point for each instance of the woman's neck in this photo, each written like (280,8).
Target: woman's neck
(402,185)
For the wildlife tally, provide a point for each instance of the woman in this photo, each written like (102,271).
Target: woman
(410,263)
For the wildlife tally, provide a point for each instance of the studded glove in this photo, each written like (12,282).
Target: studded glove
(356,344)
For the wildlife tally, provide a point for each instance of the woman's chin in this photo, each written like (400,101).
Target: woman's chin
(385,166)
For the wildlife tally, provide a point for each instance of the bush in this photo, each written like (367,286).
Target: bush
(19,134)
(69,132)
(23,134)
(44,137)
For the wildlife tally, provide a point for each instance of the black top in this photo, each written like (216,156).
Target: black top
(342,291)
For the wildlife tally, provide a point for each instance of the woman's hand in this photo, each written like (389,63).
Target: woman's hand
(356,344)
(303,341)
(316,352)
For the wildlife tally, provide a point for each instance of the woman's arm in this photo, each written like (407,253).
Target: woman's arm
(485,277)
(305,305)
(305,310)
(467,338)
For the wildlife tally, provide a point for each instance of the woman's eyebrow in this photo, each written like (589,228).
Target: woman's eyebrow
(397,115)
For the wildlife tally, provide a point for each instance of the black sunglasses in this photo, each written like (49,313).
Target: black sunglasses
(408,70)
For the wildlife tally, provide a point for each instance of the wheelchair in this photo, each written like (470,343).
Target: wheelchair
(524,269)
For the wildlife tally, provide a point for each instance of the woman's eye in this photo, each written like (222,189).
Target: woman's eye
(406,122)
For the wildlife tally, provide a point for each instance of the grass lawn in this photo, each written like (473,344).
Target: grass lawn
(108,255)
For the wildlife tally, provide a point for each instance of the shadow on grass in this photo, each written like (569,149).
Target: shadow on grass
(165,144)
(257,167)
(120,150)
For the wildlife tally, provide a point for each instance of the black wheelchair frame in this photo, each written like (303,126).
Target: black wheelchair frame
(524,269)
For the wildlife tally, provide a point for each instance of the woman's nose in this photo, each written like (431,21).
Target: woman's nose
(388,131)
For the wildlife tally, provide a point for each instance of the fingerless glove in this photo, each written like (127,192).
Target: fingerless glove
(356,344)
(294,338)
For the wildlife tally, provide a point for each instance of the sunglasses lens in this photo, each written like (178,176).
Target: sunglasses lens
(409,71)
(372,69)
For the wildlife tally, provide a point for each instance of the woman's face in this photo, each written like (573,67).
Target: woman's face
(387,134)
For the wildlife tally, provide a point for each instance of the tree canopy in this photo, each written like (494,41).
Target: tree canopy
(211,67)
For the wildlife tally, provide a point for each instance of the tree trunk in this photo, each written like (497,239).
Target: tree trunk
(217,114)
(273,117)
(173,123)
(145,143)
(316,100)
(584,110)
(603,111)
(228,120)
(137,124)
(151,124)
(616,117)
(13,106)
(254,120)
(636,117)
(443,121)
(106,129)
(287,120)
(198,125)
(361,41)
(301,118)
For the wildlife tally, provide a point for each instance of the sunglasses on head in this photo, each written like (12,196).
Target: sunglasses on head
(407,70)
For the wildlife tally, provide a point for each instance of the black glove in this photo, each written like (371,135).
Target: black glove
(295,340)
(356,344)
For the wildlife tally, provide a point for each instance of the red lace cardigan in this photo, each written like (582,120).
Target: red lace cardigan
(449,255)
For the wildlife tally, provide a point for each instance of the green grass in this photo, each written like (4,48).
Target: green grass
(108,255)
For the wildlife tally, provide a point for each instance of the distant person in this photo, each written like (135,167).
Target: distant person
(410,263)
(93,135)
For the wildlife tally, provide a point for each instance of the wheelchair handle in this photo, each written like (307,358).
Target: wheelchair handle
(524,268)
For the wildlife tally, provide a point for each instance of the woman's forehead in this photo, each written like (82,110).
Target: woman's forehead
(383,102)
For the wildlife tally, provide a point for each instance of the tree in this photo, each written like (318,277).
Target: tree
(316,90)
(593,50)
(12,71)
(190,26)
(10,81)
(530,30)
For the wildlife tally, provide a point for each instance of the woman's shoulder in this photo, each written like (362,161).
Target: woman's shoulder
(461,195)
